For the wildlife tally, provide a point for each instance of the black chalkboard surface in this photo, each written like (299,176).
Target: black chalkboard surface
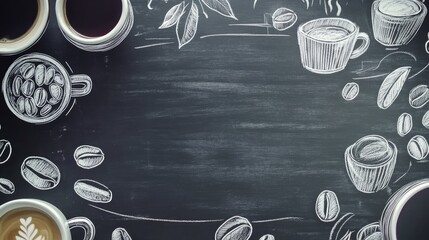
(230,124)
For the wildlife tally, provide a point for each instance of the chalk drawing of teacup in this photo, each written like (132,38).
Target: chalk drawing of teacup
(38,89)
(370,163)
(396,22)
(326,44)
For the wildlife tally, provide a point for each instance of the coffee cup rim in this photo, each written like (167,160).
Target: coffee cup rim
(392,148)
(47,208)
(301,29)
(411,191)
(15,46)
(420,4)
(68,30)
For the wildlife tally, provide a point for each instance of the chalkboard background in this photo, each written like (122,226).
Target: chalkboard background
(224,126)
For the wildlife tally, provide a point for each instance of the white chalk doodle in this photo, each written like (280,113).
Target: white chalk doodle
(28,230)
(425,120)
(40,173)
(427,45)
(88,157)
(55,88)
(238,228)
(327,44)
(370,232)
(5,151)
(339,224)
(85,224)
(120,234)
(405,173)
(190,26)
(396,22)
(392,86)
(419,96)
(267,237)
(328,6)
(370,77)
(404,124)
(388,56)
(347,235)
(350,91)
(222,7)
(421,70)
(418,147)
(93,191)
(327,206)
(243,35)
(284,18)
(172,16)
(153,45)
(6,186)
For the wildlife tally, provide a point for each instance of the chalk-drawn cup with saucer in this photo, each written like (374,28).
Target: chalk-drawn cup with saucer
(370,163)
(36,219)
(91,39)
(405,215)
(38,89)
(32,21)
(396,22)
(326,44)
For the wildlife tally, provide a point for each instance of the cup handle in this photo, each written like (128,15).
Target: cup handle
(363,47)
(85,224)
(81,85)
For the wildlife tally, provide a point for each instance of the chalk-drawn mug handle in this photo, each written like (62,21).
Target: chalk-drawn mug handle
(85,224)
(363,47)
(81,85)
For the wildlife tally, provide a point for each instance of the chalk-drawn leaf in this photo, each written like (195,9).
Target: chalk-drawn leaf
(254,4)
(347,236)
(391,86)
(173,15)
(190,26)
(220,6)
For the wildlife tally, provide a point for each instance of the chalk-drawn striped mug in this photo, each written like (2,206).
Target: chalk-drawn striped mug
(370,163)
(24,23)
(102,32)
(326,44)
(36,219)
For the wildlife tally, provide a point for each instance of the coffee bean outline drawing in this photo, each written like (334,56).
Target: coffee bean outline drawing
(5,151)
(350,91)
(327,206)
(418,147)
(92,191)
(41,173)
(6,186)
(237,228)
(404,124)
(88,157)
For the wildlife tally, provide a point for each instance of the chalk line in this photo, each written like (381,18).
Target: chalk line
(153,45)
(74,102)
(244,35)
(69,67)
(427,65)
(403,175)
(369,77)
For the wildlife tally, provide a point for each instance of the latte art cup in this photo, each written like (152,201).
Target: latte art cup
(100,43)
(54,213)
(372,172)
(327,44)
(31,36)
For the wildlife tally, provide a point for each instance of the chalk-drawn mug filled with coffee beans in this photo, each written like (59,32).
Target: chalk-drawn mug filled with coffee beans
(38,89)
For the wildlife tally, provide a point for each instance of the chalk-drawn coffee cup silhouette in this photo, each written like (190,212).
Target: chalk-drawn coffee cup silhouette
(38,89)
(96,25)
(396,22)
(24,23)
(36,219)
(370,163)
(405,215)
(326,44)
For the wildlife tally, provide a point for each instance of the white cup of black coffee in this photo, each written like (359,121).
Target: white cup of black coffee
(29,18)
(97,25)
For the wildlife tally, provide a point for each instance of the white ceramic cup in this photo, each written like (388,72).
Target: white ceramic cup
(101,43)
(55,214)
(15,46)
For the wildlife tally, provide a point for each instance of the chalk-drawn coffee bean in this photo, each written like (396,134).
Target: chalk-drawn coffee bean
(27,70)
(419,96)
(30,106)
(5,150)
(350,91)
(20,104)
(49,76)
(418,147)
(6,186)
(16,86)
(120,234)
(28,87)
(327,206)
(88,157)
(54,101)
(56,91)
(370,232)
(235,228)
(284,18)
(40,173)
(392,86)
(425,120)
(40,97)
(59,79)
(405,124)
(92,191)
(40,74)
(45,110)
(267,237)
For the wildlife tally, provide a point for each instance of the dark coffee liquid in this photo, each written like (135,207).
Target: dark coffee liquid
(16,17)
(93,18)
(413,223)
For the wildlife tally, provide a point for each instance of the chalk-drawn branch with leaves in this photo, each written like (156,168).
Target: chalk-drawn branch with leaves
(28,230)
(186,22)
